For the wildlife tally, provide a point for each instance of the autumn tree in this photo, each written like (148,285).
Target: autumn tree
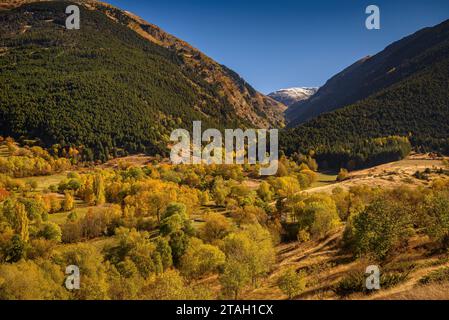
(158,202)
(383,227)
(220,191)
(201,259)
(69,203)
(291,282)
(21,222)
(216,227)
(436,208)
(317,214)
(252,247)
(250,214)
(265,192)
(285,186)
(92,268)
(42,281)
(234,278)
(343,175)
(98,189)
(167,286)
(3,194)
(204,199)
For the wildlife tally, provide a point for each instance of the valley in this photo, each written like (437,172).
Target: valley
(323,260)
(328,265)
(86,124)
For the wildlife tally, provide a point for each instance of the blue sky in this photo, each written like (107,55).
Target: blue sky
(286,43)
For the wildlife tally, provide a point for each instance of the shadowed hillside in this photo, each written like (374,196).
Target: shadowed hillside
(370,75)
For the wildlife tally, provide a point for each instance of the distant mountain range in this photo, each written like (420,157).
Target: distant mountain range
(118,85)
(292,95)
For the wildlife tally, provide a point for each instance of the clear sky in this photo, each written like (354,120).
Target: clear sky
(287,43)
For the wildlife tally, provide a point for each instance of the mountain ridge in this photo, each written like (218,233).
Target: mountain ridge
(371,74)
(215,73)
(415,108)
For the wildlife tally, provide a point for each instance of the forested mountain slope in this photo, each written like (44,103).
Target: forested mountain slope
(416,108)
(117,85)
(370,75)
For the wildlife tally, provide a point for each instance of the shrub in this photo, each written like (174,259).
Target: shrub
(440,275)
(51,231)
(355,282)
(303,236)
(352,283)
(343,175)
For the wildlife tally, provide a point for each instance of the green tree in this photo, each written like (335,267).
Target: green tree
(317,214)
(99,189)
(436,208)
(35,209)
(175,219)
(381,228)
(201,259)
(136,247)
(265,192)
(164,249)
(234,278)
(51,231)
(179,243)
(292,283)
(15,251)
(253,247)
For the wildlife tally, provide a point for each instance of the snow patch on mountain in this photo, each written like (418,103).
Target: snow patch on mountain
(292,95)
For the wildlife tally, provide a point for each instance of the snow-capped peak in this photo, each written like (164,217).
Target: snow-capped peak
(290,96)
